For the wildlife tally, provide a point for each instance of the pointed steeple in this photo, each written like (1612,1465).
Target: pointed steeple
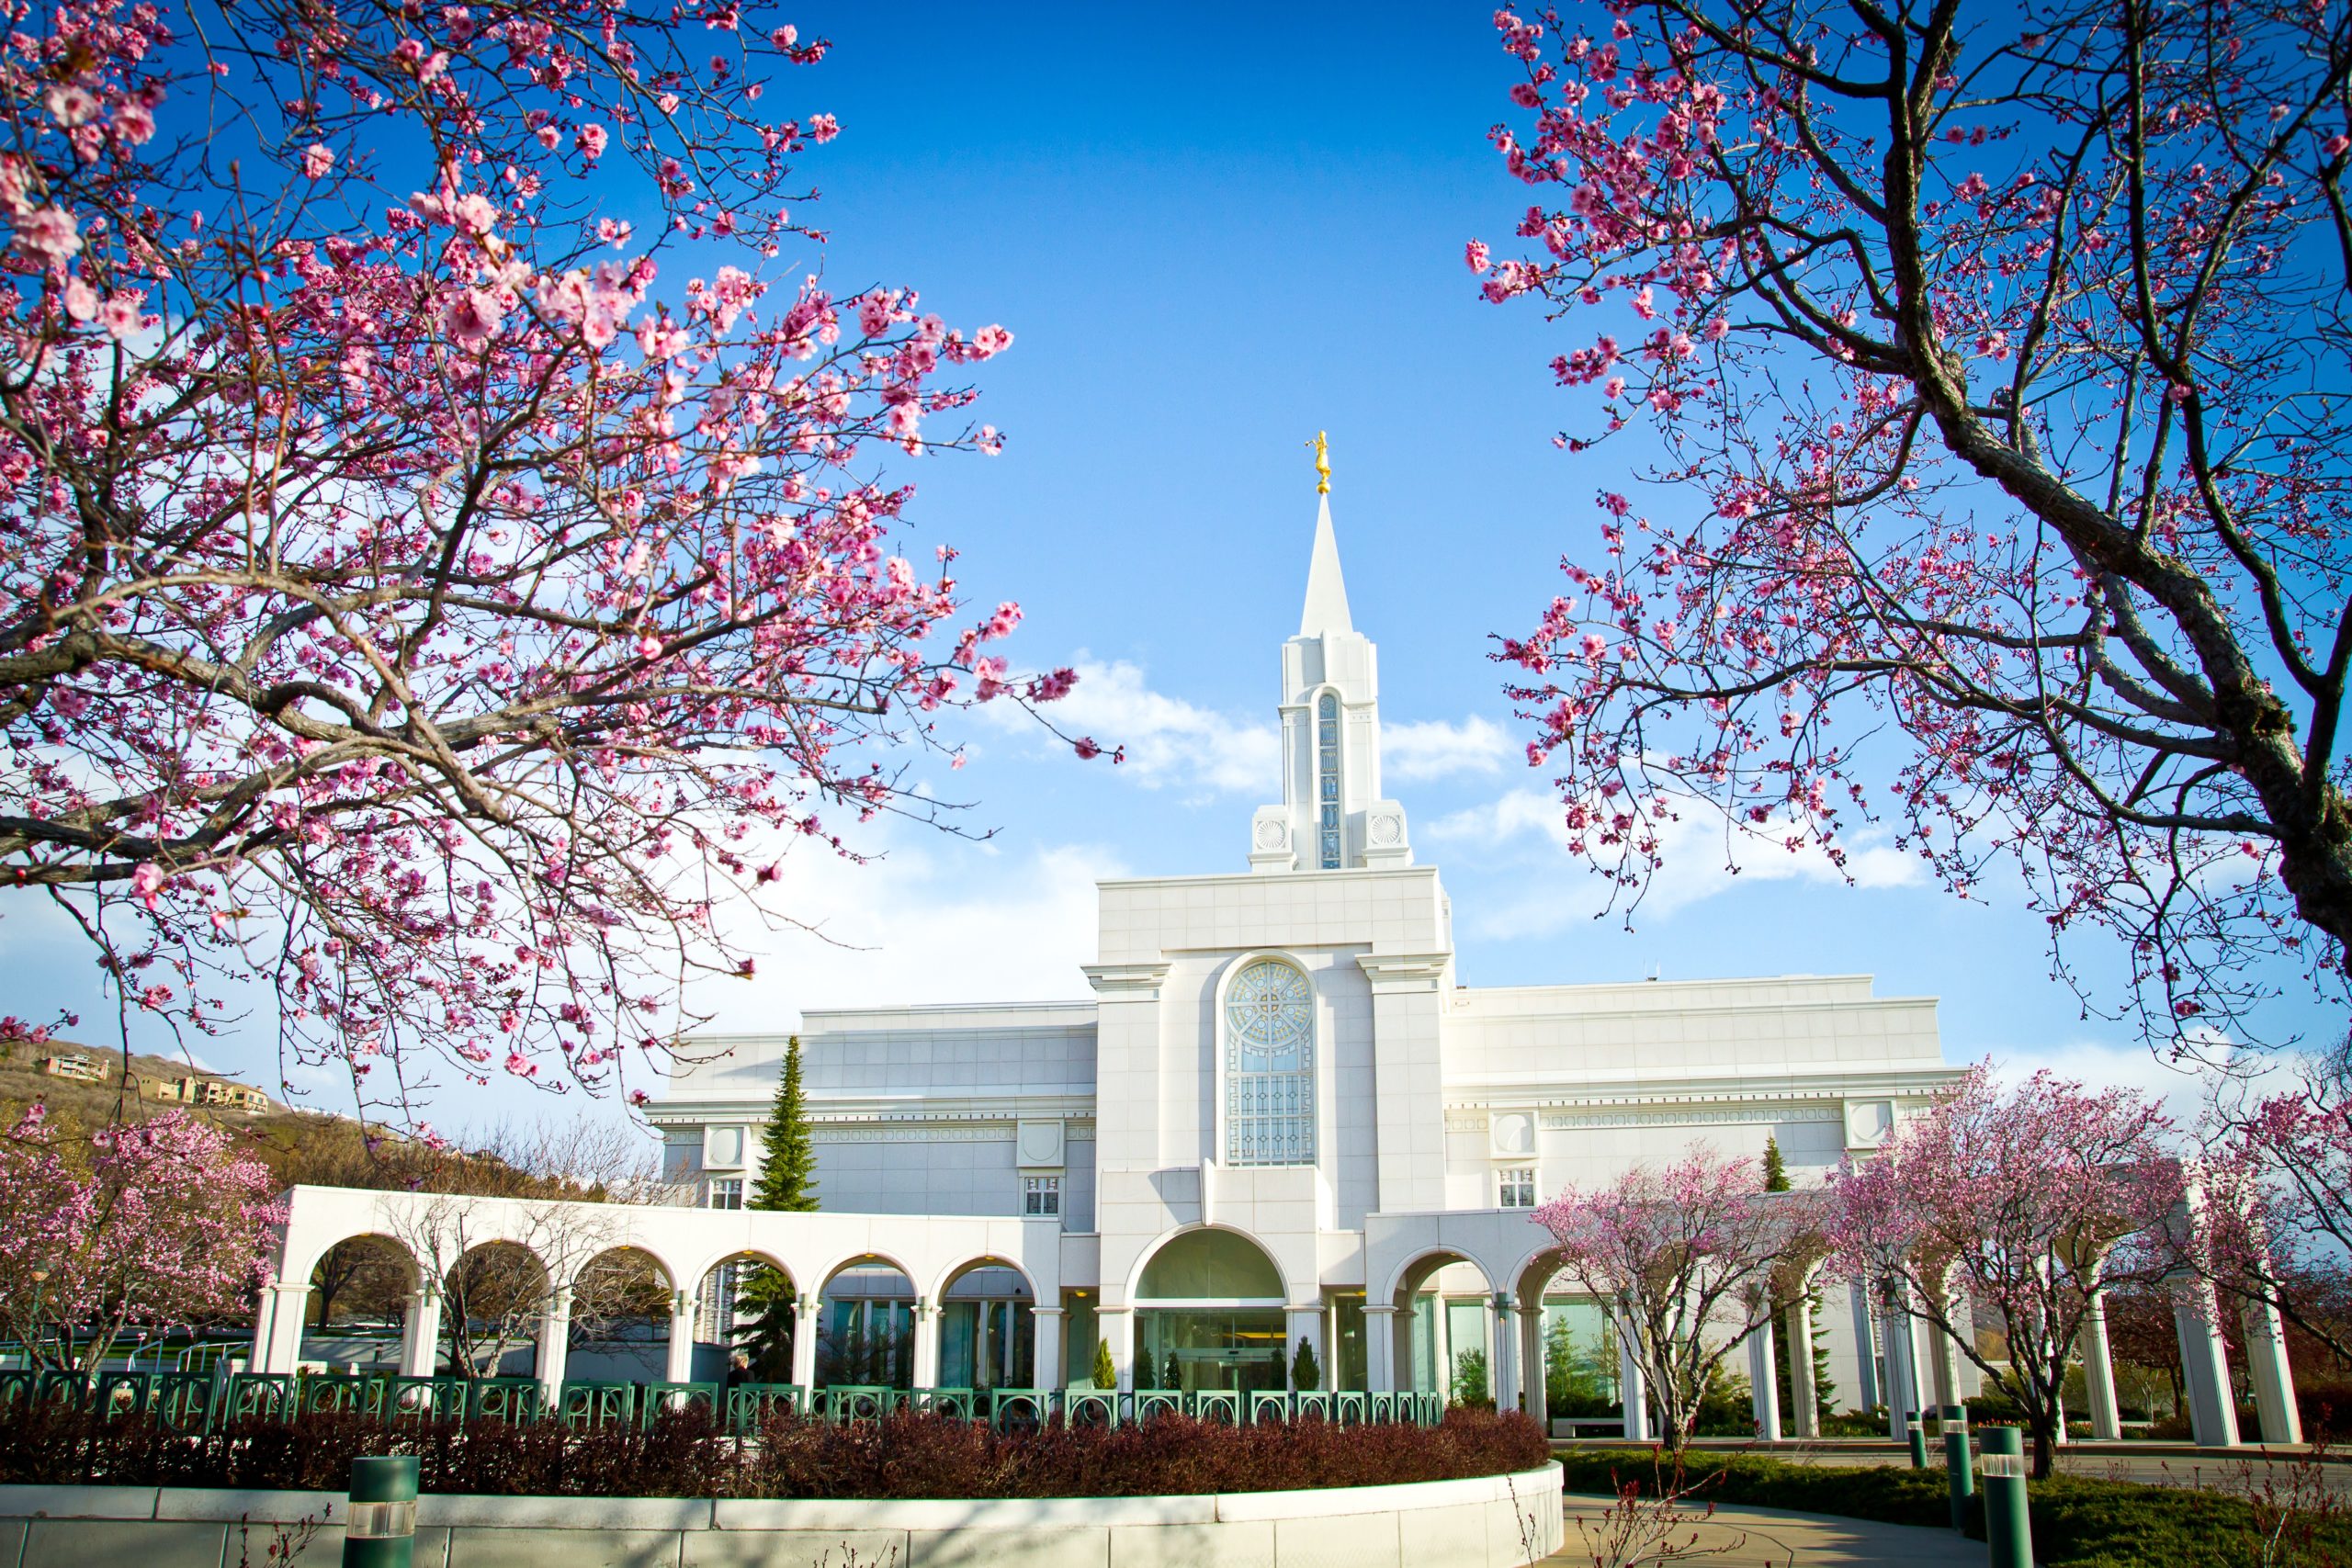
(1326,593)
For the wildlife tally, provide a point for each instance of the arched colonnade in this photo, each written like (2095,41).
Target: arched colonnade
(689,1246)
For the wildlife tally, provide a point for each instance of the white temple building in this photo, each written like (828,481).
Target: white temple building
(1280,1120)
(1281,1117)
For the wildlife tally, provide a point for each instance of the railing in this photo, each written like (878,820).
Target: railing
(192,1402)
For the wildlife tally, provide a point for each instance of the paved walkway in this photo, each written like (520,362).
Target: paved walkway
(1770,1538)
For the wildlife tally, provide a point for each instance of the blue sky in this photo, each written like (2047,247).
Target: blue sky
(1213,231)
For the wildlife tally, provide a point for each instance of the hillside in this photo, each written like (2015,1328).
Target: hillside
(91,1105)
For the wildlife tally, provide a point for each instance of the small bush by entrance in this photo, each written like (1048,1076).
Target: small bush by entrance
(686,1453)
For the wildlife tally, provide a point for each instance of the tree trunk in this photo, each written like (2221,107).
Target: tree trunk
(2045,1447)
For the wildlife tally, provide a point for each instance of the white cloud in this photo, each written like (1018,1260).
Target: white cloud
(1171,743)
(935,919)
(1701,856)
(1434,749)
(2185,1090)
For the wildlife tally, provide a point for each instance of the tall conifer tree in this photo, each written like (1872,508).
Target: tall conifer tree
(787,1182)
(788,1185)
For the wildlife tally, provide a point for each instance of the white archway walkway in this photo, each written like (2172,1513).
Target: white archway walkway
(436,1229)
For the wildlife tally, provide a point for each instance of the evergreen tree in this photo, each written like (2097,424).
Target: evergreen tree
(1304,1372)
(788,1185)
(787,1182)
(1106,1375)
(1775,1173)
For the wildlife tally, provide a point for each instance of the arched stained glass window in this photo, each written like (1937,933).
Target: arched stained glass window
(1269,1066)
(1327,780)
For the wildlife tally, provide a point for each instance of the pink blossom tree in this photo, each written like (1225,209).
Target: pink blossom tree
(2274,1211)
(1998,383)
(154,1224)
(2015,1205)
(1683,1257)
(444,551)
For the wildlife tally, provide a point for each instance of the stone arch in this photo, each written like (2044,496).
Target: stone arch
(865,1322)
(746,1302)
(1416,1268)
(620,1314)
(494,1296)
(1411,1278)
(1210,1309)
(955,1271)
(1161,1243)
(360,1292)
(983,1310)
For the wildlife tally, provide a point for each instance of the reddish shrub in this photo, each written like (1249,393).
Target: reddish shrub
(682,1455)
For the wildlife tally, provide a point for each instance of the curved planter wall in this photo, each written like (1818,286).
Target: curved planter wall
(1489,1522)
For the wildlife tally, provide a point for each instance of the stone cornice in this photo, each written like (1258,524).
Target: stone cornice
(1404,971)
(1599,1089)
(1137,981)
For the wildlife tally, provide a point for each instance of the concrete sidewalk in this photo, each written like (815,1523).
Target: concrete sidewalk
(1773,1538)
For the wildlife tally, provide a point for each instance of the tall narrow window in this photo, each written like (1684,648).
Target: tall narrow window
(1327,778)
(1270,1066)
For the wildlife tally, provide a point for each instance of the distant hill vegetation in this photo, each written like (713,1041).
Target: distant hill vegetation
(590,1160)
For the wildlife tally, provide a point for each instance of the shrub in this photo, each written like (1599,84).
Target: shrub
(2078,1521)
(681,1454)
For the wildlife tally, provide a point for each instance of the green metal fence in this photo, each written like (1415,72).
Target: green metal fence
(197,1401)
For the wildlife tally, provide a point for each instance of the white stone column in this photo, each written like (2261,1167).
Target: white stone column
(1763,1385)
(1380,1348)
(1902,1370)
(1533,1372)
(1802,1393)
(2273,1380)
(277,1328)
(555,1345)
(1441,1347)
(1118,1330)
(683,1307)
(2213,1412)
(1633,1389)
(2099,1372)
(1502,1352)
(1306,1322)
(1865,1347)
(926,1346)
(421,1335)
(804,1341)
(1047,1371)
(1943,1352)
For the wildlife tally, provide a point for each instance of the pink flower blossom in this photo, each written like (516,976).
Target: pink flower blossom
(50,233)
(318,161)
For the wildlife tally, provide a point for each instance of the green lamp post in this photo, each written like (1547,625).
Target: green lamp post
(1956,1466)
(380,1530)
(2007,1527)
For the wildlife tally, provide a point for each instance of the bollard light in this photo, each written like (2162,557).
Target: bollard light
(1957,1468)
(380,1530)
(1918,1441)
(2007,1527)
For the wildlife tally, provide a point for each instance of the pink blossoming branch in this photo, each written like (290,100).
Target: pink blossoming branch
(155,1225)
(1997,363)
(420,603)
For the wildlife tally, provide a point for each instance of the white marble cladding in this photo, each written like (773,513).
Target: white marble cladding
(1397,909)
(1657,1033)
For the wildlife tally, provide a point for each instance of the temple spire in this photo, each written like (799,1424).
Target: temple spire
(1327,591)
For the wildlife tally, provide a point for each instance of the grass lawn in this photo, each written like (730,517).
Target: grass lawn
(2078,1521)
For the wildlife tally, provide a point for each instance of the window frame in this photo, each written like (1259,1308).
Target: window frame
(1041,1197)
(1520,1180)
(1329,801)
(715,1186)
(1304,1118)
